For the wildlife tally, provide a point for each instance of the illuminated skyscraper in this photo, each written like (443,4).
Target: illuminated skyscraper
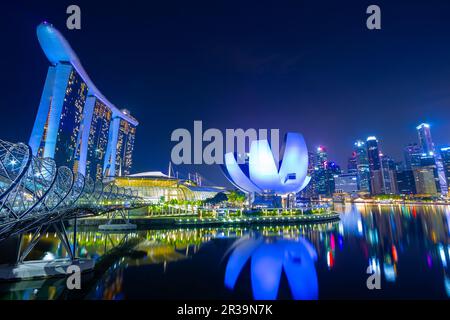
(427,166)
(332,171)
(320,171)
(425,141)
(412,154)
(405,181)
(425,180)
(346,183)
(445,154)
(352,165)
(389,175)
(428,151)
(310,190)
(376,177)
(362,163)
(75,124)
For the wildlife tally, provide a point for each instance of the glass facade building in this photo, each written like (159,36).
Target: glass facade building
(75,124)
(362,165)
(98,140)
(125,145)
(412,154)
(445,155)
(67,149)
(405,182)
(376,177)
(320,172)
(389,175)
(429,151)
(346,183)
(425,141)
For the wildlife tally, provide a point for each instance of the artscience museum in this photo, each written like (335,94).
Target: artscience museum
(262,175)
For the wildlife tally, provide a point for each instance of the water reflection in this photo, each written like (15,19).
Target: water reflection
(269,258)
(409,245)
(390,233)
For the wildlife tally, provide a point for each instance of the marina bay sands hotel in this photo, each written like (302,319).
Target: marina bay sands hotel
(75,124)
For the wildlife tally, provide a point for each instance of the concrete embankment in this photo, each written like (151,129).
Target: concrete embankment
(146,222)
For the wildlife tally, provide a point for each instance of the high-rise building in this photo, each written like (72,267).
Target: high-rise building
(405,181)
(412,154)
(425,180)
(346,183)
(376,177)
(310,190)
(389,175)
(362,163)
(425,141)
(352,165)
(428,150)
(445,155)
(428,163)
(320,171)
(324,172)
(75,124)
(332,171)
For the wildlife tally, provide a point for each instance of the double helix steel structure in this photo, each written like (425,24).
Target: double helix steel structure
(35,193)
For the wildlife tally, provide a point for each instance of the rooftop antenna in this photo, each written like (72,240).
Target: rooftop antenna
(170,169)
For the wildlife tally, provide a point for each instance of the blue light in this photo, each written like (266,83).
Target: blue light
(261,172)
(268,260)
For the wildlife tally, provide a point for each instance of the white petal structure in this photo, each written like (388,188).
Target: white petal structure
(262,174)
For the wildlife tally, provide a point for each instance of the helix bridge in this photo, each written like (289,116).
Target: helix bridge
(36,194)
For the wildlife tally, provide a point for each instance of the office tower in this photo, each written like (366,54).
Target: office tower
(412,154)
(332,170)
(376,177)
(427,165)
(428,150)
(320,171)
(362,163)
(425,141)
(389,175)
(75,124)
(310,190)
(352,165)
(445,156)
(405,181)
(425,182)
(346,183)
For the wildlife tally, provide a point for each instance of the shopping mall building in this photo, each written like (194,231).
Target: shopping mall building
(158,187)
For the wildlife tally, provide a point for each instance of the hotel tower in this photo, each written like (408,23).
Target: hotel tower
(75,124)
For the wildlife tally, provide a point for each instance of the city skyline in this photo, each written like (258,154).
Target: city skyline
(300,82)
(248,152)
(424,170)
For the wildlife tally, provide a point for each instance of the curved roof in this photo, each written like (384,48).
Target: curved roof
(57,49)
(263,174)
(152,174)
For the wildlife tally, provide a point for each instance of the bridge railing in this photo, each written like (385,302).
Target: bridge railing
(34,191)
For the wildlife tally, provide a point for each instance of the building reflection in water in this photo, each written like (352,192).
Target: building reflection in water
(387,232)
(397,240)
(270,256)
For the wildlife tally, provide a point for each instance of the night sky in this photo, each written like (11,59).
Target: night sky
(307,66)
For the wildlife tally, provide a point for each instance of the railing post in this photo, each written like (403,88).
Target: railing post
(75,237)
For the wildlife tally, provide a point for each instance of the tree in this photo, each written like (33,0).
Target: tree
(218,198)
(237,198)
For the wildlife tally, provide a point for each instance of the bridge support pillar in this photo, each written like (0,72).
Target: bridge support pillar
(30,269)
(124,223)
